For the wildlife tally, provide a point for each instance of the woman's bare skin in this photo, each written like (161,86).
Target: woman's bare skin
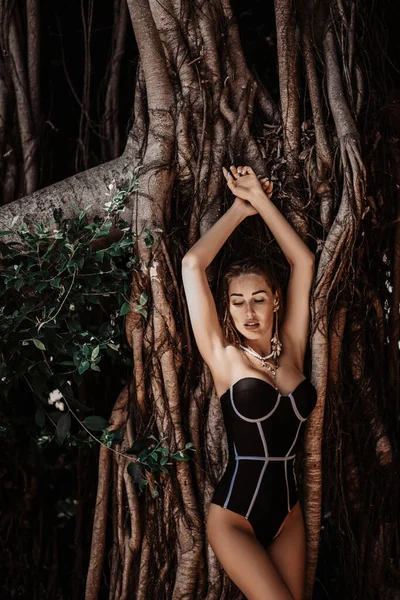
(275,573)
(272,574)
(279,571)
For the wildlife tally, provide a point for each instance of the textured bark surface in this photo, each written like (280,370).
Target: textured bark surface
(198,106)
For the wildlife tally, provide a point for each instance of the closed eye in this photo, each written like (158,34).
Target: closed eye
(240,304)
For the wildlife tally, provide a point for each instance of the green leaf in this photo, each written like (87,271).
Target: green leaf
(113,346)
(124,309)
(55,283)
(142,485)
(3,232)
(99,255)
(143,298)
(148,240)
(139,445)
(39,344)
(18,284)
(95,423)
(141,310)
(95,353)
(180,456)
(84,366)
(63,427)
(119,274)
(135,472)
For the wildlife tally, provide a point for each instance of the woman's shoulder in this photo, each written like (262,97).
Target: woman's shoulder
(223,371)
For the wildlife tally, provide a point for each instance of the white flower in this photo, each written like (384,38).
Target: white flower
(54,396)
(60,405)
(112,187)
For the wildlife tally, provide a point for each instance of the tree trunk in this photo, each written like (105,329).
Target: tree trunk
(199,107)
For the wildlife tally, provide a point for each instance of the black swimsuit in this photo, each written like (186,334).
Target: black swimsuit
(263,429)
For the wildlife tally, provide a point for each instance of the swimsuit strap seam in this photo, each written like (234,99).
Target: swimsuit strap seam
(247,418)
(295,439)
(295,409)
(263,440)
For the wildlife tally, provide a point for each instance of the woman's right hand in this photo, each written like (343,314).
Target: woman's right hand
(262,182)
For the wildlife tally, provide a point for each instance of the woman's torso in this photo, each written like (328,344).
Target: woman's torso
(263,430)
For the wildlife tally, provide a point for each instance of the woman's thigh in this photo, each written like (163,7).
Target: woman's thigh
(242,556)
(288,552)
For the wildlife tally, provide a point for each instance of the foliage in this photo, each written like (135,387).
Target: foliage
(62,305)
(154,458)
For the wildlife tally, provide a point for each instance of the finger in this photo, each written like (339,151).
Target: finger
(234,172)
(231,180)
(240,170)
(225,172)
(247,170)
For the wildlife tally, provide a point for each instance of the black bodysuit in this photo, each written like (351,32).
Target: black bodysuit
(263,430)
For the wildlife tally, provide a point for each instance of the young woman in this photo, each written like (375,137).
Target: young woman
(255,524)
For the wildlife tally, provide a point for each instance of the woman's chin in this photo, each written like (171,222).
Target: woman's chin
(252,334)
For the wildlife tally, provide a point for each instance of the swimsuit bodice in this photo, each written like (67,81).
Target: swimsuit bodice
(252,400)
(263,428)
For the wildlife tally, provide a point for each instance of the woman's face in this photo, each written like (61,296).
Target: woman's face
(251,299)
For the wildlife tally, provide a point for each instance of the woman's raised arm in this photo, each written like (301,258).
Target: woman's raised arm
(295,327)
(249,188)
(207,247)
(202,310)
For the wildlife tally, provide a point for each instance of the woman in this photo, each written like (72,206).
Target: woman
(255,524)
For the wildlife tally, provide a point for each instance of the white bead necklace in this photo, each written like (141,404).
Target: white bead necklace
(263,360)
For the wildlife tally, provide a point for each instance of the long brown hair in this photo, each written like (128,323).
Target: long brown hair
(244,266)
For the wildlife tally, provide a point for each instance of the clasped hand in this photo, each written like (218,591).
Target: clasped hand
(246,186)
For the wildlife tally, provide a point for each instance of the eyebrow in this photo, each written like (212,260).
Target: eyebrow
(258,291)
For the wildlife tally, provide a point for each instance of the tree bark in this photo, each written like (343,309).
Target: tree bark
(197,108)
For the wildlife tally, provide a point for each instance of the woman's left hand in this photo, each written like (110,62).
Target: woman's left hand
(245,184)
